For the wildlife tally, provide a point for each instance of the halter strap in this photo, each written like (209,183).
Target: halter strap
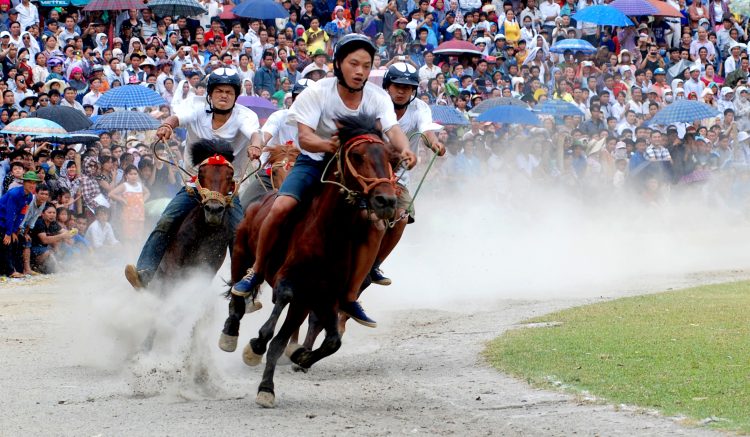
(367,183)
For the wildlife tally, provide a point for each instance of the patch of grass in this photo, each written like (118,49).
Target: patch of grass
(684,352)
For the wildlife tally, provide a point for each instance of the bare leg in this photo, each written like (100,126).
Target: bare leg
(390,239)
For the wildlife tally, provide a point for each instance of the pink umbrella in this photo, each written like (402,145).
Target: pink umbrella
(457,48)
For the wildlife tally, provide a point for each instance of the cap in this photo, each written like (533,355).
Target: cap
(726,90)
(741,89)
(695,67)
(642,26)
(667,90)
(706,92)
(499,36)
(679,90)
(30,176)
(659,71)
(4,34)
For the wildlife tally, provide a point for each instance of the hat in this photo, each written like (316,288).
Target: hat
(620,145)
(148,62)
(703,21)
(659,71)
(667,90)
(539,93)
(679,90)
(311,68)
(743,136)
(706,92)
(96,68)
(49,83)
(12,11)
(695,67)
(247,45)
(499,36)
(30,176)
(741,89)
(4,34)
(319,52)
(642,26)
(726,90)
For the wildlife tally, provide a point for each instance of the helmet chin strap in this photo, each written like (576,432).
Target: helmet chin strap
(211,109)
(400,106)
(342,81)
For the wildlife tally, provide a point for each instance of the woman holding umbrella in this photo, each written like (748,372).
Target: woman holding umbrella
(223,120)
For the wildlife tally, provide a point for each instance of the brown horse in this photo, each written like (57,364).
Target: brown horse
(281,159)
(311,265)
(201,240)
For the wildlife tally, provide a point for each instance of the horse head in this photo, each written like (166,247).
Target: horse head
(281,158)
(366,164)
(214,184)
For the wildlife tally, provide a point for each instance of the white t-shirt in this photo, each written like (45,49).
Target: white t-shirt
(281,132)
(238,130)
(320,104)
(417,118)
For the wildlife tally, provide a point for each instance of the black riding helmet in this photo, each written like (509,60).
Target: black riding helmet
(348,44)
(403,74)
(222,76)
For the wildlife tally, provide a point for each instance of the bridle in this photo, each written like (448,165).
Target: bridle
(205,194)
(343,160)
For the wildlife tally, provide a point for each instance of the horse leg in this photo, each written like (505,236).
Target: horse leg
(314,328)
(294,318)
(241,259)
(257,347)
(304,357)
(231,331)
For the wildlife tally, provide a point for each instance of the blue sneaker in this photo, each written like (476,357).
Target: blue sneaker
(355,311)
(248,285)
(377,277)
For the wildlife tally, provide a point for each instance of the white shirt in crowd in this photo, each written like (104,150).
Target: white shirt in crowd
(427,73)
(417,118)
(101,234)
(318,106)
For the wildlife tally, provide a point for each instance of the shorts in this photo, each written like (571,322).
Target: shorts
(403,202)
(39,250)
(304,176)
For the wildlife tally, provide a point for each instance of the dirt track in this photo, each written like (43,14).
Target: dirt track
(68,369)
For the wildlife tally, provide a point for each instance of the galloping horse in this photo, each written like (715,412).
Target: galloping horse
(311,265)
(202,238)
(281,158)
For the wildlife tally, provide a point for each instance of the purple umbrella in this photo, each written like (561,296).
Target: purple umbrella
(262,107)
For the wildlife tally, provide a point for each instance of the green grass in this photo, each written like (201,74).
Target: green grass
(684,352)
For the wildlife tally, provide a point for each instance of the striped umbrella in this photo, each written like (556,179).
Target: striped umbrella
(497,101)
(171,8)
(559,108)
(634,7)
(33,126)
(114,5)
(509,115)
(130,96)
(574,45)
(125,120)
(603,15)
(684,111)
(448,116)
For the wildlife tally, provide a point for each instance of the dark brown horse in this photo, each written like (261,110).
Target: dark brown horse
(202,238)
(311,265)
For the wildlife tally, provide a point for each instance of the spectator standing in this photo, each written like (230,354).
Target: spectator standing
(13,206)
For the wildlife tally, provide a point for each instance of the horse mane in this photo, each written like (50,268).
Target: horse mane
(204,149)
(351,126)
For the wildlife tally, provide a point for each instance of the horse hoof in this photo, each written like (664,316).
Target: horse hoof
(265,399)
(251,358)
(291,348)
(298,368)
(228,343)
(252,306)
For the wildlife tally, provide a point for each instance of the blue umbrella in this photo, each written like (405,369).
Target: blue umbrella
(559,108)
(263,9)
(33,126)
(509,115)
(684,111)
(130,96)
(603,15)
(574,45)
(448,116)
(125,120)
(634,7)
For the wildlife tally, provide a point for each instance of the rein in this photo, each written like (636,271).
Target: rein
(204,194)
(410,208)
(342,160)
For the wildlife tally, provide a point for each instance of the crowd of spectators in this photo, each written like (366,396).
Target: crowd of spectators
(60,203)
